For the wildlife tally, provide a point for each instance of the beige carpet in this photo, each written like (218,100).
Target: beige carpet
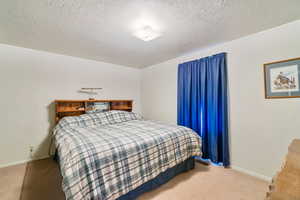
(40,180)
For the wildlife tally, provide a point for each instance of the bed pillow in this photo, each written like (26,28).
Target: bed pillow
(96,119)
(117,116)
(84,120)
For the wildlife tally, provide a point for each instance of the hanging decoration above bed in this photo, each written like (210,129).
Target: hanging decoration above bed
(90,91)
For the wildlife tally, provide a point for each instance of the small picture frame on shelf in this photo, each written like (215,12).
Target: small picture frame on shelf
(92,107)
(282,79)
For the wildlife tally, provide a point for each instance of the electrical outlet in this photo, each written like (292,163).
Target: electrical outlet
(31,149)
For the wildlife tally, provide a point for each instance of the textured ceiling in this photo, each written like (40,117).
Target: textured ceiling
(103,29)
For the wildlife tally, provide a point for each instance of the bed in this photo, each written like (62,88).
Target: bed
(118,155)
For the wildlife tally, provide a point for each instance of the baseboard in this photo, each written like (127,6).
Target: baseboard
(245,171)
(23,161)
(251,173)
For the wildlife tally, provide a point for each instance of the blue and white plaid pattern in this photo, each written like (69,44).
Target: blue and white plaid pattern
(105,155)
(97,118)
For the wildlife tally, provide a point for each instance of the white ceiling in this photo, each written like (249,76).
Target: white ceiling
(103,29)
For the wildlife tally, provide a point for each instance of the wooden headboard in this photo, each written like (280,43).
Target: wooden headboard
(78,107)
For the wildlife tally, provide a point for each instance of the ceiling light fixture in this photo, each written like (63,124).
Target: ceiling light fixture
(147,33)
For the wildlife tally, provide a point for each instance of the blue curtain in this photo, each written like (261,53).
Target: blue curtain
(202,104)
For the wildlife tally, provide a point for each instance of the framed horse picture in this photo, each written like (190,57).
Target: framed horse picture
(282,79)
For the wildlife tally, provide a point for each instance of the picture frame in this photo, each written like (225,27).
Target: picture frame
(92,107)
(282,79)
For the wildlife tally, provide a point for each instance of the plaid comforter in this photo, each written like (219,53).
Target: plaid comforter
(106,155)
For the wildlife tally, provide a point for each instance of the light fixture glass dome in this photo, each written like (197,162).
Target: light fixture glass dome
(147,33)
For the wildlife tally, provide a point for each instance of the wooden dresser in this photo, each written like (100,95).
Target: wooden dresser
(78,107)
(286,184)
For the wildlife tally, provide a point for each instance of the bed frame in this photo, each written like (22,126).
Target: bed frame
(65,108)
(78,107)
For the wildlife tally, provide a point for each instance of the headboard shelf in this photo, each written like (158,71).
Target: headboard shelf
(65,108)
(70,110)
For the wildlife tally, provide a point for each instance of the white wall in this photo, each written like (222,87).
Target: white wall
(30,80)
(260,129)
